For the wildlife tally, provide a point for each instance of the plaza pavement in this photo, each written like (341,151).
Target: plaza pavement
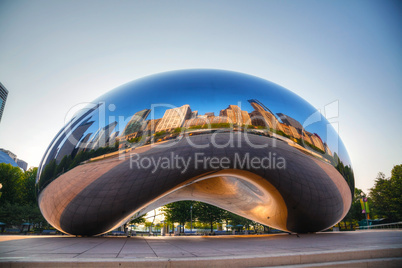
(330,249)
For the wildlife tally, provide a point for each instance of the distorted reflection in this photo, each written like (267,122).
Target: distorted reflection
(182,104)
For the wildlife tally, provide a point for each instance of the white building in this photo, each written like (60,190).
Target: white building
(174,118)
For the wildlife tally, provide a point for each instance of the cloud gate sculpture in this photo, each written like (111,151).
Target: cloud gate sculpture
(225,138)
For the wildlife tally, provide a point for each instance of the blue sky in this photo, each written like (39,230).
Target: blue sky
(57,54)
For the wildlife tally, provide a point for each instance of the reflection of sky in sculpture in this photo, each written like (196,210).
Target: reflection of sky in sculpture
(205,91)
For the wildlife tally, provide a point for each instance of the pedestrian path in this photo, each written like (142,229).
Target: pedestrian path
(219,251)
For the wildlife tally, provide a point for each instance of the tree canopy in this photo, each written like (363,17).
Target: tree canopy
(387,195)
(18,202)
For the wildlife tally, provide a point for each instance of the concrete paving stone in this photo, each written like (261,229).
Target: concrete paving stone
(137,255)
(275,247)
(5,249)
(96,255)
(53,256)
(175,255)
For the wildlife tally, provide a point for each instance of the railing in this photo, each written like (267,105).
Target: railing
(394,225)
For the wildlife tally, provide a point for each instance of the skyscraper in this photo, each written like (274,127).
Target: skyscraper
(136,122)
(9,157)
(262,116)
(174,118)
(3,98)
(291,122)
(236,115)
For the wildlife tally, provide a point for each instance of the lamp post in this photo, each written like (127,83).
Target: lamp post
(191,222)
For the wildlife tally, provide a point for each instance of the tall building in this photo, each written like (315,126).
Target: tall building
(22,164)
(194,114)
(102,136)
(174,118)
(317,141)
(152,124)
(327,150)
(73,138)
(136,122)
(9,157)
(236,116)
(262,116)
(3,98)
(113,138)
(291,122)
(53,148)
(210,114)
(6,159)
(11,154)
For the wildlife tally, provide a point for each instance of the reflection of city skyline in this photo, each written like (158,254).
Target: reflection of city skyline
(184,117)
(79,137)
(219,115)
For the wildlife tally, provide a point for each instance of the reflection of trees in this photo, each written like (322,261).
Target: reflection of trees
(346,172)
(68,162)
(213,125)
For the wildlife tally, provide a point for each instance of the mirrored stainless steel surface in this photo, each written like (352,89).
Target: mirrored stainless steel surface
(229,139)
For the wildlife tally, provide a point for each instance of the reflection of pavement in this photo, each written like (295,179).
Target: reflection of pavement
(234,251)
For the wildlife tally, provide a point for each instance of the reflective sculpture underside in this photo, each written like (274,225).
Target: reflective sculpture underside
(258,158)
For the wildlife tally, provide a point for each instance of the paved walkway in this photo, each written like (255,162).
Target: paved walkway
(67,249)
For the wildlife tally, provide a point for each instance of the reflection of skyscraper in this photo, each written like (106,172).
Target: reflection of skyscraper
(210,114)
(262,116)
(327,150)
(291,122)
(102,136)
(174,118)
(84,143)
(69,145)
(52,150)
(152,124)
(136,122)
(236,115)
(3,98)
(194,114)
(317,141)
(112,138)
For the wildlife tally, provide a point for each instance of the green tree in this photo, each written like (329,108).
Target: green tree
(355,212)
(206,213)
(11,178)
(237,220)
(18,202)
(28,186)
(138,220)
(387,195)
(179,212)
(16,214)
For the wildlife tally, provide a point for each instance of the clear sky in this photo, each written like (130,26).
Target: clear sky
(57,54)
